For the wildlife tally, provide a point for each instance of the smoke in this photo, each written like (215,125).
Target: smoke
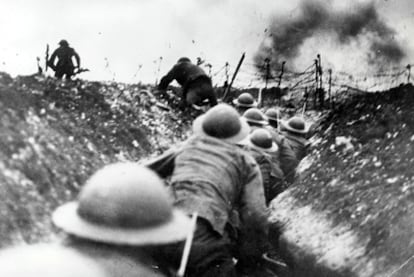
(360,24)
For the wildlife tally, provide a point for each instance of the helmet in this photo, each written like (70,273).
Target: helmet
(261,139)
(273,114)
(46,260)
(124,204)
(184,59)
(245,100)
(255,116)
(63,42)
(296,125)
(222,122)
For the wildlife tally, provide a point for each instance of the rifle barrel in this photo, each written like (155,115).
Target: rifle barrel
(187,247)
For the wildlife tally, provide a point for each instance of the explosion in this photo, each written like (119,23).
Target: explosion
(359,27)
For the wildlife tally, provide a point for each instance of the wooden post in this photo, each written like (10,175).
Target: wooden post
(409,73)
(267,64)
(305,101)
(234,76)
(330,87)
(158,71)
(320,72)
(281,74)
(227,73)
(209,69)
(321,92)
(316,83)
(47,57)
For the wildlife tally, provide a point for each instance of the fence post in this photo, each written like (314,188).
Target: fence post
(409,73)
(158,71)
(281,74)
(316,84)
(267,64)
(209,69)
(227,72)
(330,87)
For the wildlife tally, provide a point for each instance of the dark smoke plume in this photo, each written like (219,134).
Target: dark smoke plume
(315,18)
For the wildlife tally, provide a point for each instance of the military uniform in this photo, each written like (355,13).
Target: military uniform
(196,84)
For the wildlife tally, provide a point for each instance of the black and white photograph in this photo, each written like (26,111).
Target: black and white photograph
(206,138)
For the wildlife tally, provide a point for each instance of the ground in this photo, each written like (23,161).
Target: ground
(360,179)
(349,214)
(54,135)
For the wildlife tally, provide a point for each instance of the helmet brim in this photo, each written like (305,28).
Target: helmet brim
(242,134)
(238,104)
(176,229)
(285,125)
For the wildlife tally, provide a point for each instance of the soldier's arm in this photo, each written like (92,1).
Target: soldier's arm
(167,79)
(77,58)
(287,158)
(163,164)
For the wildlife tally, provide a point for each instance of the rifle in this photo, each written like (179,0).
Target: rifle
(187,247)
(80,70)
(47,57)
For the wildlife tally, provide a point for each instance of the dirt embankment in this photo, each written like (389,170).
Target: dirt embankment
(55,135)
(350,213)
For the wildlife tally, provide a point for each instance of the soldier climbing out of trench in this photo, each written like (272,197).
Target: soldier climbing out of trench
(64,65)
(196,84)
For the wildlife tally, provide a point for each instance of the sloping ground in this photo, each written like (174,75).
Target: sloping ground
(351,212)
(55,135)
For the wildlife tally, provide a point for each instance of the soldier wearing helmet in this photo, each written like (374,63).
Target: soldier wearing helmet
(265,151)
(196,84)
(212,176)
(64,65)
(273,116)
(255,118)
(295,130)
(244,102)
(122,217)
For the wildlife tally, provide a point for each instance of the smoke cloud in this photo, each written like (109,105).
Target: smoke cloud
(288,35)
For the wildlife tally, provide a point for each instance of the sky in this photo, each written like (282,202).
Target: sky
(139,40)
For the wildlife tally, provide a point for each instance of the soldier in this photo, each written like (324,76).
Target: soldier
(64,65)
(295,130)
(273,116)
(123,216)
(265,151)
(47,260)
(196,84)
(255,118)
(212,176)
(244,102)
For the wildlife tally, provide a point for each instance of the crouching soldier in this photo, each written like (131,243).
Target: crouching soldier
(286,156)
(295,130)
(123,216)
(273,117)
(244,102)
(196,84)
(265,151)
(211,175)
(255,118)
